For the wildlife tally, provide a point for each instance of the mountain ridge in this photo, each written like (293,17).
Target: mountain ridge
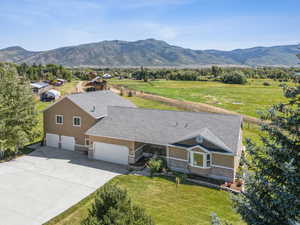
(151,52)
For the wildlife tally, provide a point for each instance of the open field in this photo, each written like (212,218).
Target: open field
(189,204)
(245,99)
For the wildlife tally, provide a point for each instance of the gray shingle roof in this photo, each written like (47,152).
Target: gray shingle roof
(96,103)
(207,135)
(165,127)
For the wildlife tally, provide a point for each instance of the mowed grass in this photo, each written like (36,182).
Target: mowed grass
(245,99)
(186,205)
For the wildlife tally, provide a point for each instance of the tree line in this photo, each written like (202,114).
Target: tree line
(36,72)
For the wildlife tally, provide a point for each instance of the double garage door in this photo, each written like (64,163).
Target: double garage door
(111,153)
(67,142)
(102,151)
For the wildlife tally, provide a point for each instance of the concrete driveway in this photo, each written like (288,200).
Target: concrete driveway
(39,186)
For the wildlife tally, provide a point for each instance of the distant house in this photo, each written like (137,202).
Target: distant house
(107,76)
(96,84)
(40,87)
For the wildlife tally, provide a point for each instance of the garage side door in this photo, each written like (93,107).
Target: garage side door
(68,143)
(52,140)
(111,153)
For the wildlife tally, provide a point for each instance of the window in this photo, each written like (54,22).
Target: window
(208,160)
(87,142)
(76,121)
(59,119)
(199,159)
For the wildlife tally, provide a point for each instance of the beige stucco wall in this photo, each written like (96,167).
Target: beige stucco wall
(68,109)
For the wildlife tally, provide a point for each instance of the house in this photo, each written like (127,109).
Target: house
(40,87)
(96,84)
(112,129)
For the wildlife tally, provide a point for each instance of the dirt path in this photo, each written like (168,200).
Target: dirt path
(186,105)
(79,87)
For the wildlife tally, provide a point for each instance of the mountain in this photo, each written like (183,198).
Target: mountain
(15,54)
(151,52)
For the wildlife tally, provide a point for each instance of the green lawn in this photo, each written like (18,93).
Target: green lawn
(189,204)
(68,87)
(245,99)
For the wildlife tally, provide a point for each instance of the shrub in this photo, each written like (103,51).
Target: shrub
(179,178)
(130,94)
(155,166)
(113,206)
(236,77)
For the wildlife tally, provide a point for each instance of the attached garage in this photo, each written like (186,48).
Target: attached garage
(111,153)
(68,143)
(52,140)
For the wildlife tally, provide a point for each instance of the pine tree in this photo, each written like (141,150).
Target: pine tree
(272,187)
(113,207)
(18,115)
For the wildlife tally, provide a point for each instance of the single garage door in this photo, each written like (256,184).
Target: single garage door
(52,140)
(111,153)
(68,143)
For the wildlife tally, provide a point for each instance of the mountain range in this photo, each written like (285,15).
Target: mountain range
(151,52)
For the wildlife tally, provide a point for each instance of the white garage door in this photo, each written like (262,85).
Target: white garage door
(52,140)
(68,143)
(111,153)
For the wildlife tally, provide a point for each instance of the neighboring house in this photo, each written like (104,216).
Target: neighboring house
(40,87)
(112,129)
(96,84)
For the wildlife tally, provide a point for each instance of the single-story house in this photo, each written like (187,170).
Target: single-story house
(110,128)
(40,87)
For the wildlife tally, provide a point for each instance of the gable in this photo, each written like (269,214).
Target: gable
(66,106)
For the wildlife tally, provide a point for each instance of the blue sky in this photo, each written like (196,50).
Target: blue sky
(196,24)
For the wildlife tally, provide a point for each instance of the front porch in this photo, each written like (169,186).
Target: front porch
(146,151)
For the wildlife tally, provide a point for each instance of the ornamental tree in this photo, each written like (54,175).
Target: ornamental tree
(18,115)
(114,207)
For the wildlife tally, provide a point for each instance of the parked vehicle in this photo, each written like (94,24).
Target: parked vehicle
(50,95)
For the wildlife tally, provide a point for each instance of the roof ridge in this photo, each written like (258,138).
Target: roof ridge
(88,93)
(178,111)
